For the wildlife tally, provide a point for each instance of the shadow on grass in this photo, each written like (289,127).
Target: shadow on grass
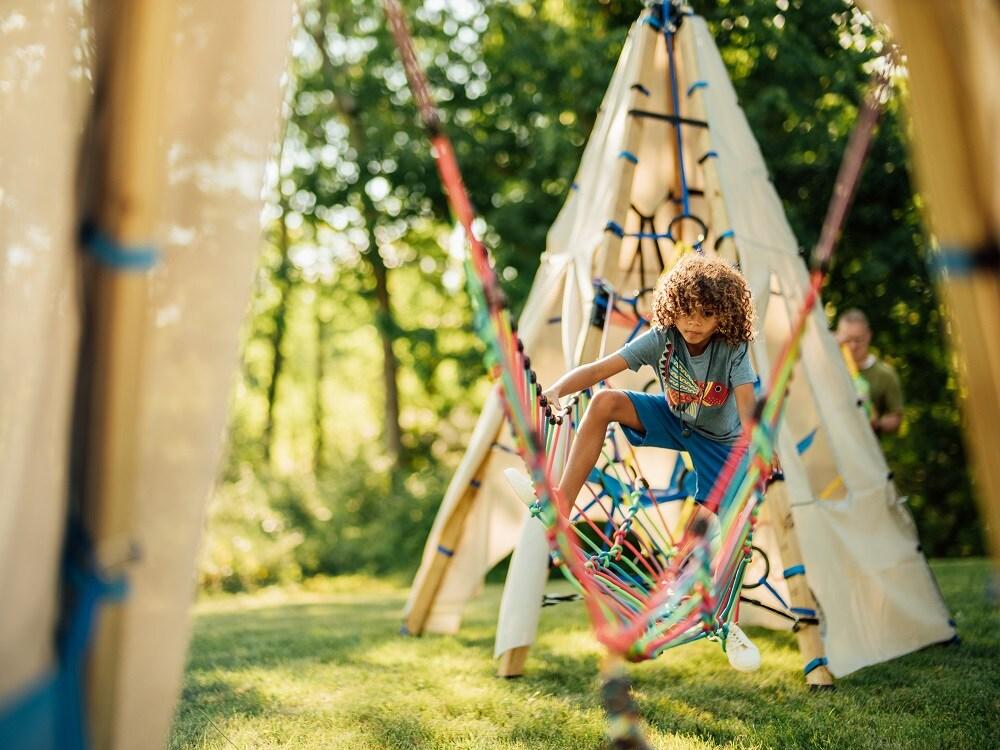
(208,702)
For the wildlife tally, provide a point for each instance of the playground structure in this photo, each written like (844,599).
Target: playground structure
(220,89)
(953,58)
(151,124)
(687,172)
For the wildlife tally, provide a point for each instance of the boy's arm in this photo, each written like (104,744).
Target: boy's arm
(584,376)
(746,402)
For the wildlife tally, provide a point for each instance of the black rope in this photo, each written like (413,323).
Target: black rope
(673,119)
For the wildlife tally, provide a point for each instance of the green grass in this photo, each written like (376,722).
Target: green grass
(324,667)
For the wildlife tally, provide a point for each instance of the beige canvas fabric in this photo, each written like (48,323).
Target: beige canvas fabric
(44,96)
(953,61)
(885,599)
(224,93)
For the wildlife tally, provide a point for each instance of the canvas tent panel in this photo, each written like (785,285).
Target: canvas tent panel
(224,93)
(953,66)
(44,94)
(894,577)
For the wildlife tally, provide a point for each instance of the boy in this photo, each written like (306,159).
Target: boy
(702,322)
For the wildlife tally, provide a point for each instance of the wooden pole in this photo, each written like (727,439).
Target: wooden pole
(451,535)
(130,126)
(953,58)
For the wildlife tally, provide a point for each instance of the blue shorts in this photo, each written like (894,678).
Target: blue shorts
(664,429)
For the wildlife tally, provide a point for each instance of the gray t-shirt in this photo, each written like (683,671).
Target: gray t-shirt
(699,390)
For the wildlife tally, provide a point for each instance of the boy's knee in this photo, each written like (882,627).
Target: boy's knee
(606,405)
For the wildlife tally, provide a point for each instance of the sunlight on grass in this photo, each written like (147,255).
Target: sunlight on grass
(323,666)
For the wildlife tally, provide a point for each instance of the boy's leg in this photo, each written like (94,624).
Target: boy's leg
(606,407)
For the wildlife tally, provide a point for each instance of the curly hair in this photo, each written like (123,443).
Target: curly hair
(709,285)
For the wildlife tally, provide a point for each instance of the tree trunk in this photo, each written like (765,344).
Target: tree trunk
(384,320)
(386,325)
(319,438)
(282,281)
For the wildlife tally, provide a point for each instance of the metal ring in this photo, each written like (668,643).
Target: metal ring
(697,220)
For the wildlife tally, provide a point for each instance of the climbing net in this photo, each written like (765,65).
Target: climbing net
(648,585)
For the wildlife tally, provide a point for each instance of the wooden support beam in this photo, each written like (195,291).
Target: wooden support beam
(451,535)
(130,123)
(953,61)
(777,508)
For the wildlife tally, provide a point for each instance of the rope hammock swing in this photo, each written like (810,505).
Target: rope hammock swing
(647,586)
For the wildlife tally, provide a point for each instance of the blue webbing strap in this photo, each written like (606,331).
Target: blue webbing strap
(965,262)
(50,715)
(819,661)
(110,253)
(795,570)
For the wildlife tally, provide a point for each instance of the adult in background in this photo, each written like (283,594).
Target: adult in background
(854,332)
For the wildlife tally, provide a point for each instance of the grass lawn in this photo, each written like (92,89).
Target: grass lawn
(325,668)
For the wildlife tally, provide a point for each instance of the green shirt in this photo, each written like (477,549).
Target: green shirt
(886,393)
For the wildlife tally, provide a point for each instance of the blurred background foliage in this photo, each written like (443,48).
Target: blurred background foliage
(361,379)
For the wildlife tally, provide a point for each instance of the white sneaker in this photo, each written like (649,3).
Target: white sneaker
(742,654)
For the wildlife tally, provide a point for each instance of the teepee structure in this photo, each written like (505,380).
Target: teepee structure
(671,165)
(151,124)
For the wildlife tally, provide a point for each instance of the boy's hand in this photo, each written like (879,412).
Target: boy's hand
(552,397)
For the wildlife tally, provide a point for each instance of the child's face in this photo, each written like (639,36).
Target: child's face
(697,327)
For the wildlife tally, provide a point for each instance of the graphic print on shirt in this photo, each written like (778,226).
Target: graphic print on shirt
(683,390)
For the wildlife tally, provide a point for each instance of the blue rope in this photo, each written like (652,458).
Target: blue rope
(685,198)
(697,85)
(115,255)
(629,155)
(806,443)
(614,227)
(651,20)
